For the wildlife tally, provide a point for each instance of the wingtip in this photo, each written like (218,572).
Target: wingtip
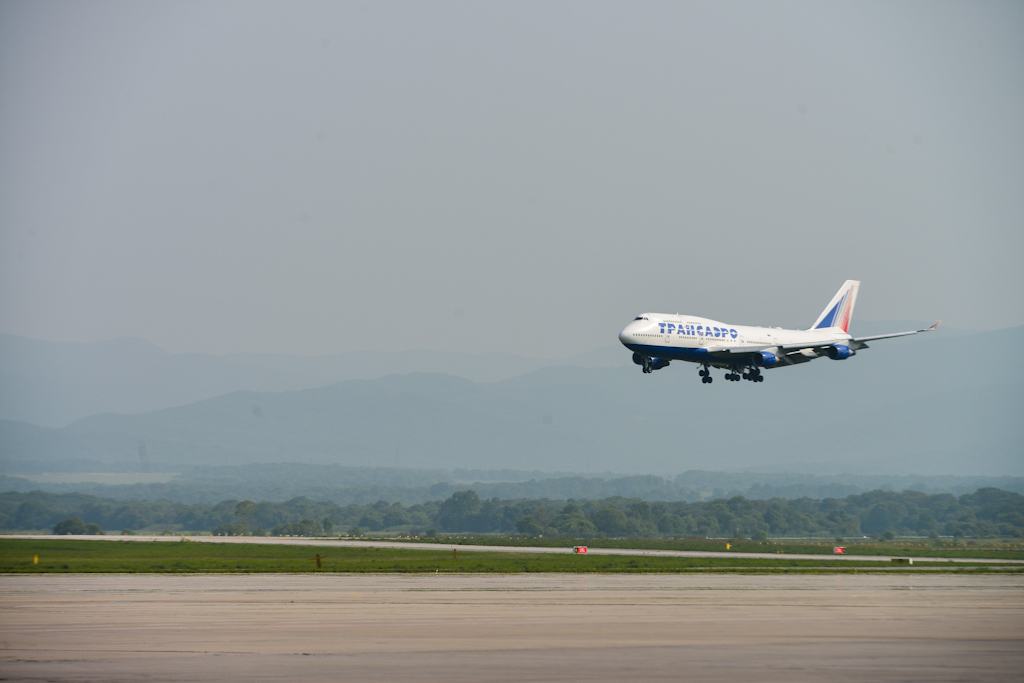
(935,326)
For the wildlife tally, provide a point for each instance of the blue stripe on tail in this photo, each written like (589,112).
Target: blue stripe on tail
(827,320)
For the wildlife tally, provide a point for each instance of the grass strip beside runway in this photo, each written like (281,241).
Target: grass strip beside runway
(998,549)
(69,556)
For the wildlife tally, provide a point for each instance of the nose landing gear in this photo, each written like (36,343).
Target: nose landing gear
(705,375)
(645,361)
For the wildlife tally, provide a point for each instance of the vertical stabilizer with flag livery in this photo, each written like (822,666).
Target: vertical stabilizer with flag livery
(839,311)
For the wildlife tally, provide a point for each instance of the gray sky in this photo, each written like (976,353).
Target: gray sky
(325,177)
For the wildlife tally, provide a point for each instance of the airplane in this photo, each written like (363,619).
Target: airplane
(656,339)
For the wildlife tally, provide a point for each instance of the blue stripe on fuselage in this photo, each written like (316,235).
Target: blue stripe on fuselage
(671,352)
(698,355)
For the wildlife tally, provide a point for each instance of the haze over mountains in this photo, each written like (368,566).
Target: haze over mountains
(904,406)
(55,383)
(52,384)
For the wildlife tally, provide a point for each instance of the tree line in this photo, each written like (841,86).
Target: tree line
(361,486)
(983,513)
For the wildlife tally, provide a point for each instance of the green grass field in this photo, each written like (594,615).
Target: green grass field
(16,556)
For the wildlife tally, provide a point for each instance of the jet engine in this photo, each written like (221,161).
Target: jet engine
(840,352)
(638,359)
(765,359)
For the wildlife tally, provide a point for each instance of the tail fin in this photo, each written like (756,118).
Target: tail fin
(839,311)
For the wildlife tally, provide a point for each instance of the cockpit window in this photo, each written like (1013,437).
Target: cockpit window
(639,317)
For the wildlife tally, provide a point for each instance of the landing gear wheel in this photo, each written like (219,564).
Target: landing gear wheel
(702,373)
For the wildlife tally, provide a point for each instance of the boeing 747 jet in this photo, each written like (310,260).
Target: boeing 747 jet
(656,339)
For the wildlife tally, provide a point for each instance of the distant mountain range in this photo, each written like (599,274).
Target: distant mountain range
(920,405)
(55,383)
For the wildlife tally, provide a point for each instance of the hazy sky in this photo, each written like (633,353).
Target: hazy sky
(322,177)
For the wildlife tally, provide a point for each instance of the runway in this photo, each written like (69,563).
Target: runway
(409,545)
(544,627)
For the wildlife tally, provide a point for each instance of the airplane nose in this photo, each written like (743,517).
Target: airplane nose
(625,337)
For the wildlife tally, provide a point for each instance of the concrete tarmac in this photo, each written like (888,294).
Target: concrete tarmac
(540,627)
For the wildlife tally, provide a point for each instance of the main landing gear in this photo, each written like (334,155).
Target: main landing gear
(753,374)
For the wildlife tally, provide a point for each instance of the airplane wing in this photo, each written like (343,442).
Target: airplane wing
(779,347)
(895,334)
(741,349)
(787,355)
(790,349)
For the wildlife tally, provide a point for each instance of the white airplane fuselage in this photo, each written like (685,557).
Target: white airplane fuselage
(656,339)
(689,338)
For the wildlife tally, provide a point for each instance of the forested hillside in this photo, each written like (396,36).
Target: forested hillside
(986,512)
